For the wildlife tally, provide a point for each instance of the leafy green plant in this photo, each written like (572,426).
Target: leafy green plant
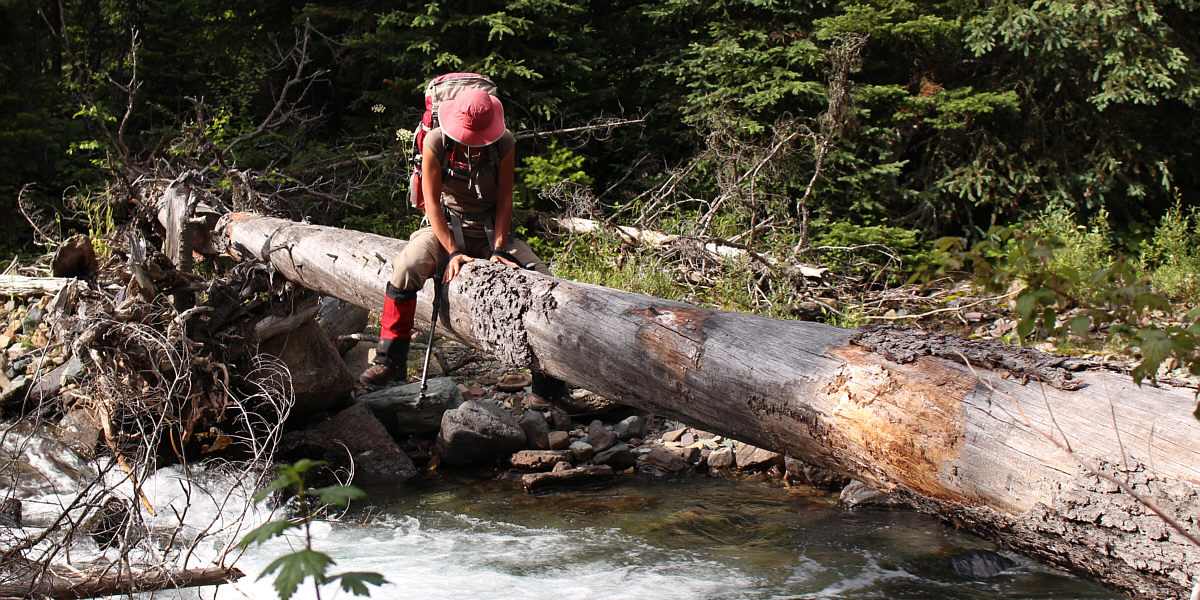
(1172,255)
(1114,298)
(551,167)
(877,251)
(293,569)
(1080,251)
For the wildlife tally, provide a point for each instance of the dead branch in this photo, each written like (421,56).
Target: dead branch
(96,583)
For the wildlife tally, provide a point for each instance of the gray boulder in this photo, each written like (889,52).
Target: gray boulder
(619,456)
(478,432)
(581,451)
(403,411)
(631,427)
(353,434)
(320,379)
(600,436)
(537,430)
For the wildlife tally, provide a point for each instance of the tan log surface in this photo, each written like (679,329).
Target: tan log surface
(19,285)
(1013,463)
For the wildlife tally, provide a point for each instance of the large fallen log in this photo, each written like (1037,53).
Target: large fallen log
(1071,475)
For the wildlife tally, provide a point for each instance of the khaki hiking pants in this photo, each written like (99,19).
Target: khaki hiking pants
(424,253)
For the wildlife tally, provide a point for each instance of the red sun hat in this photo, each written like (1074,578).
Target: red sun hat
(473,118)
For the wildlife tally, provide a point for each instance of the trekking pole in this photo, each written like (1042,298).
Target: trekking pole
(437,308)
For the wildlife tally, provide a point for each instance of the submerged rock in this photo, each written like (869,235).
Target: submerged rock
(10,513)
(857,494)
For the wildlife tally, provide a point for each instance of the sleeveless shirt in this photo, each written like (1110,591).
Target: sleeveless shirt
(458,191)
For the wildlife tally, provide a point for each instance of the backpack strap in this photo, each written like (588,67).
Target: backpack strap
(491,160)
(455,219)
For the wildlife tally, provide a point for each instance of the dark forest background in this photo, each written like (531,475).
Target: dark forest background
(806,131)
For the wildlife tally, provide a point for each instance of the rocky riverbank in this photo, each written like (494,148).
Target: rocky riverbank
(476,415)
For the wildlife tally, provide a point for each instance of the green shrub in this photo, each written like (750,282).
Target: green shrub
(599,259)
(1171,259)
(879,253)
(1081,252)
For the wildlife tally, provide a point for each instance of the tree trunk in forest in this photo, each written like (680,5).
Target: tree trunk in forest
(1047,471)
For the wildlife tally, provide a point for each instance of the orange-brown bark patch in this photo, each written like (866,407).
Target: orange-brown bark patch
(673,335)
(908,428)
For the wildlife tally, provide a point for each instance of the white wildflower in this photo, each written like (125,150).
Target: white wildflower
(378,108)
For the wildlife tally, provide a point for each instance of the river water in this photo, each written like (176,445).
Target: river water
(690,538)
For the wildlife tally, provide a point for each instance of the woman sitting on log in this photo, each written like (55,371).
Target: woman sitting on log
(467,183)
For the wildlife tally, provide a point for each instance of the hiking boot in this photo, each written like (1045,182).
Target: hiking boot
(391,363)
(380,374)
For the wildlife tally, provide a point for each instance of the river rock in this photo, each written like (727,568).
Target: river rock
(584,475)
(404,412)
(600,436)
(630,427)
(558,440)
(477,432)
(584,403)
(10,513)
(40,465)
(113,525)
(537,429)
(581,451)
(620,456)
(378,460)
(753,458)
(857,494)
(664,459)
(689,454)
(80,430)
(673,435)
(537,460)
(805,473)
(721,459)
(559,421)
(320,379)
(13,395)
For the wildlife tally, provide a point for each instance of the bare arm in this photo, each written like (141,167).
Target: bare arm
(504,205)
(431,188)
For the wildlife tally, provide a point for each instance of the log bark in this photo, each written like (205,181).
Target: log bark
(18,285)
(1066,476)
(85,585)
